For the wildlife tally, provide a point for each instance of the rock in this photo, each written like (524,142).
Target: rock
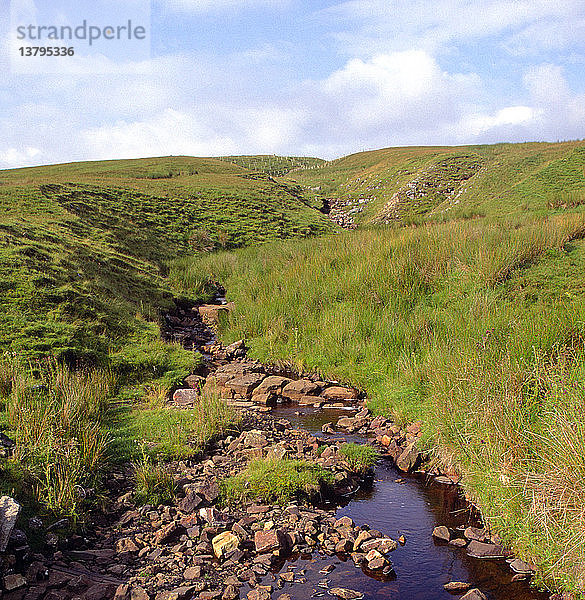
(258,594)
(474,594)
(7,445)
(212,314)
(122,592)
(264,398)
(126,545)
(224,543)
(346,594)
(442,533)
(344,522)
(383,545)
(190,502)
(9,512)
(236,349)
(270,541)
(231,592)
(210,492)
(458,542)
(339,393)
(14,582)
(409,459)
(168,534)
(361,538)
(138,593)
(192,573)
(310,400)
(344,547)
(475,533)
(185,397)
(245,385)
(482,550)
(273,383)
(302,387)
(255,439)
(521,567)
(277,452)
(375,560)
(181,593)
(457,587)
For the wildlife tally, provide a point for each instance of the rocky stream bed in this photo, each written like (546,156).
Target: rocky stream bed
(397,531)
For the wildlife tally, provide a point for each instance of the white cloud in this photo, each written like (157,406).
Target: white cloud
(170,132)
(368,26)
(14,157)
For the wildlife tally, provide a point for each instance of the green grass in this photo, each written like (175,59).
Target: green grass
(475,327)
(84,247)
(275,481)
(166,433)
(358,458)
(451,182)
(154,483)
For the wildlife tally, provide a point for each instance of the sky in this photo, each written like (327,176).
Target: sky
(306,78)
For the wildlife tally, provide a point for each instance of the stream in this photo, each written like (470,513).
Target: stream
(396,505)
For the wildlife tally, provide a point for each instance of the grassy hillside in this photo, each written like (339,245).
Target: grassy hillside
(84,251)
(84,247)
(475,327)
(434,183)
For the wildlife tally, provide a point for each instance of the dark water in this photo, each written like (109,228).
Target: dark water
(398,505)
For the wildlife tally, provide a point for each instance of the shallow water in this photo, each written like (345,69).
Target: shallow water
(400,505)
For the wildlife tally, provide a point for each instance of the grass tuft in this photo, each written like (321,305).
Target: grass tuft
(358,458)
(275,481)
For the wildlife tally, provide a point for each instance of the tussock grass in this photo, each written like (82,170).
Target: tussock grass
(464,325)
(275,480)
(170,433)
(56,416)
(153,482)
(358,458)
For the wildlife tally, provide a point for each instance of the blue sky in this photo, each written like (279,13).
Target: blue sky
(323,78)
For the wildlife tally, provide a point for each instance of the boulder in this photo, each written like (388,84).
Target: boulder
(442,533)
(245,385)
(126,545)
(302,387)
(185,397)
(265,398)
(271,541)
(9,512)
(190,502)
(383,545)
(339,393)
(212,314)
(224,543)
(482,550)
(274,384)
(409,459)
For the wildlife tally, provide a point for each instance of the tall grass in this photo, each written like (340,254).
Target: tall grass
(463,325)
(167,432)
(55,414)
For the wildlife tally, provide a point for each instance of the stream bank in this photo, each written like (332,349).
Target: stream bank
(367,537)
